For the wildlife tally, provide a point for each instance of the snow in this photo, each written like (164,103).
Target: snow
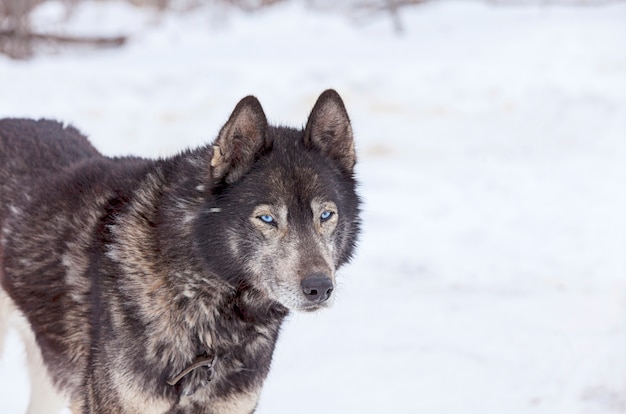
(491,273)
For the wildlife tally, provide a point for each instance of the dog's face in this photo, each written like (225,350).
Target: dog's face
(284,215)
(293,255)
(300,227)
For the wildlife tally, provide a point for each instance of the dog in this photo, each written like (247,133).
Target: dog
(160,285)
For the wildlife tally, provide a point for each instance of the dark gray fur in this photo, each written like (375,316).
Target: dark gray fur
(125,268)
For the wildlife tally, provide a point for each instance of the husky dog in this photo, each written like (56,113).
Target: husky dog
(159,286)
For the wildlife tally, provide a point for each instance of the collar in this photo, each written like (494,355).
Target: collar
(205,360)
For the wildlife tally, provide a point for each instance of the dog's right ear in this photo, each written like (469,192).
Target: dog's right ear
(329,130)
(239,141)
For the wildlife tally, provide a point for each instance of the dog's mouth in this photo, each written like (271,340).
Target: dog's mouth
(313,307)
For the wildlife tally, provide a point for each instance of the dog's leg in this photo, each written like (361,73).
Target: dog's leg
(5,316)
(44,398)
(5,308)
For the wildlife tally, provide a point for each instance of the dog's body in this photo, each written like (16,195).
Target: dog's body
(124,272)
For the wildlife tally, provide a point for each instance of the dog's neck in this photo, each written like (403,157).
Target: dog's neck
(245,311)
(200,313)
(235,339)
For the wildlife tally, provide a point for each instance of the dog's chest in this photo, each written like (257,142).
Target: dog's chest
(234,359)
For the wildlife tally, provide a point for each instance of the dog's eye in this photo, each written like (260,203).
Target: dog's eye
(326,215)
(266,218)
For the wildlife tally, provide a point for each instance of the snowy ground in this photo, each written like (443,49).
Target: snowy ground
(491,275)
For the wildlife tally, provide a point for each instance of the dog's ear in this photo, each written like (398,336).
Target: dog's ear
(239,141)
(329,129)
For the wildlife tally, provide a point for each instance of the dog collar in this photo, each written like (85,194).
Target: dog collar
(205,360)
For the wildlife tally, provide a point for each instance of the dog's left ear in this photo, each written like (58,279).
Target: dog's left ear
(329,129)
(239,141)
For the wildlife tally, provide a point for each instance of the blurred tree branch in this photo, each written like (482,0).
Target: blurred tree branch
(18,39)
(14,19)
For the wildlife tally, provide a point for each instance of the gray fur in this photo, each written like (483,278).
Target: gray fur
(126,270)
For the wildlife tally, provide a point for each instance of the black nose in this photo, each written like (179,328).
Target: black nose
(317,287)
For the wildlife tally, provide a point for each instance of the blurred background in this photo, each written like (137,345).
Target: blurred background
(491,273)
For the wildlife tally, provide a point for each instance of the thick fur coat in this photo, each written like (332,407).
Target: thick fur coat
(159,286)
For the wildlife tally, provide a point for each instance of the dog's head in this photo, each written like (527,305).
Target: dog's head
(283,215)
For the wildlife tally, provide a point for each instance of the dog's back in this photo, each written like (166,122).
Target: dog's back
(34,150)
(52,183)
(30,153)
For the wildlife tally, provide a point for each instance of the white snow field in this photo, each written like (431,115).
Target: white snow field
(491,272)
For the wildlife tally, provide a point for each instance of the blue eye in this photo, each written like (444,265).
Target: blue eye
(326,215)
(266,218)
